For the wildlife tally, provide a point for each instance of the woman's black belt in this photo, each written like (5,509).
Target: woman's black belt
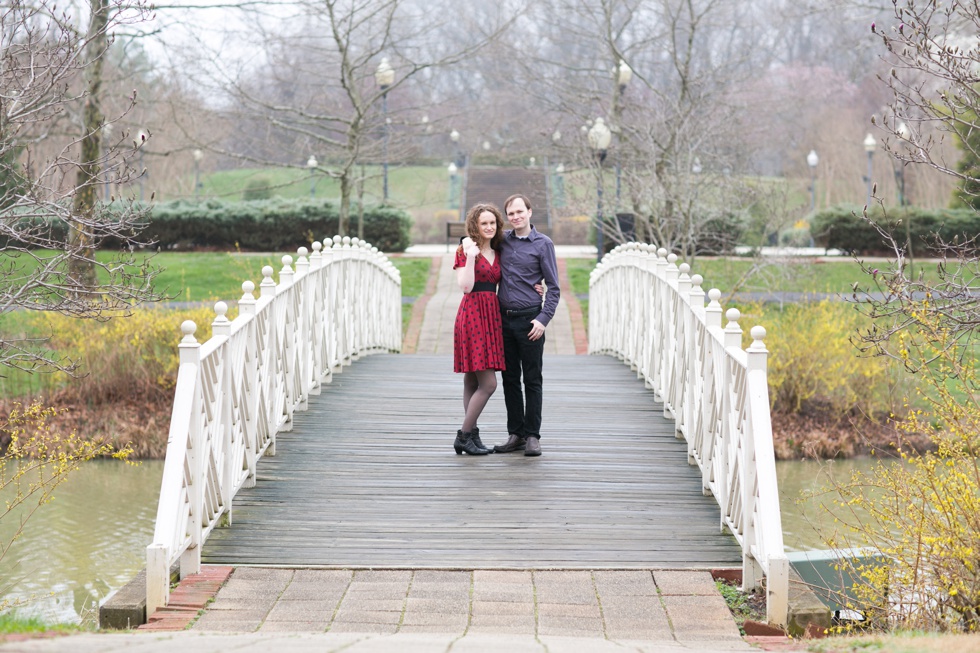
(484,286)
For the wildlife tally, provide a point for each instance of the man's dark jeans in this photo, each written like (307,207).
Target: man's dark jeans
(522,356)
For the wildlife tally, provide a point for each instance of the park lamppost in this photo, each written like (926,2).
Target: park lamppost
(452,170)
(812,160)
(599,137)
(141,141)
(384,76)
(107,147)
(454,137)
(623,76)
(560,185)
(311,164)
(198,157)
(870,144)
(903,135)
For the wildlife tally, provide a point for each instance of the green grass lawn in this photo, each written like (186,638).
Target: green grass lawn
(408,186)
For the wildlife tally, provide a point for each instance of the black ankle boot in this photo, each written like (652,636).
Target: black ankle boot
(464,442)
(478,441)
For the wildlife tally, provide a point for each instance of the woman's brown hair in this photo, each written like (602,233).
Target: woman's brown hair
(473,224)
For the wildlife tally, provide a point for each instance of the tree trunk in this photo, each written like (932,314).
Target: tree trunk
(81,245)
(345,193)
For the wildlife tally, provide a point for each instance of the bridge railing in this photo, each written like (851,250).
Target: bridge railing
(239,389)
(651,314)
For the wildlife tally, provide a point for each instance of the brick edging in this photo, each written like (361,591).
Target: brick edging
(189,598)
(579,336)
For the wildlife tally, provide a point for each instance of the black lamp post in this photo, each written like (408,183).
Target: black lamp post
(141,141)
(384,76)
(198,157)
(812,160)
(452,170)
(457,156)
(623,76)
(107,145)
(599,138)
(870,144)
(903,135)
(311,165)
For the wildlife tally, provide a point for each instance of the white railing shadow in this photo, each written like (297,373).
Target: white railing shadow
(239,389)
(650,313)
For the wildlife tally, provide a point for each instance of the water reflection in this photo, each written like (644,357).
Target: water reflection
(87,543)
(803,518)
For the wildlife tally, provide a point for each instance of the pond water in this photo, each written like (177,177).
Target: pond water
(91,539)
(88,542)
(803,516)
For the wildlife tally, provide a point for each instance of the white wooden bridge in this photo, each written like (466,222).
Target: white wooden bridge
(666,463)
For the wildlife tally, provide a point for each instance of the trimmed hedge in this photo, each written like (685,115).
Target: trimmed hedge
(269,225)
(843,227)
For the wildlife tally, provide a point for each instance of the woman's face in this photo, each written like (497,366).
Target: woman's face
(487,225)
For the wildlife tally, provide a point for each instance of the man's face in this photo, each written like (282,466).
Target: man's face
(518,215)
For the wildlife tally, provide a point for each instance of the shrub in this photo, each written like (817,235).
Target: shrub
(126,358)
(261,225)
(813,364)
(257,189)
(922,512)
(843,227)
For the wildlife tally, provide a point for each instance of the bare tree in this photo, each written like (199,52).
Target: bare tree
(44,59)
(934,53)
(309,86)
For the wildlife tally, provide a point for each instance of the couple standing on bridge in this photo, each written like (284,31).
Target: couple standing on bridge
(503,329)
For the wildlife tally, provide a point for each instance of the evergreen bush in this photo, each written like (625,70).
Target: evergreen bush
(270,225)
(843,227)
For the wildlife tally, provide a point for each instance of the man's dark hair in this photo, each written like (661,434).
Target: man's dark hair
(517,196)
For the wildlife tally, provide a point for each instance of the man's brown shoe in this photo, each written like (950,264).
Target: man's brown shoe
(514,443)
(533,447)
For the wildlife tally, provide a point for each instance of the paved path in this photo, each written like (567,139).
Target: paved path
(367,611)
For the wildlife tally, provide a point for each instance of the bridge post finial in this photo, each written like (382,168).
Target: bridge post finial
(670,273)
(661,262)
(757,353)
(302,263)
(246,305)
(684,279)
(221,325)
(712,313)
(268,286)
(733,332)
(697,292)
(189,348)
(316,258)
(286,274)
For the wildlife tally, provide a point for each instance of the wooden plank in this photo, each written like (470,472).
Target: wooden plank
(368,478)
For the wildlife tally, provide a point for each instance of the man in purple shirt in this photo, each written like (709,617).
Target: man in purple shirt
(526,258)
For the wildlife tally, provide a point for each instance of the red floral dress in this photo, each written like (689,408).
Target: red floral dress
(478,338)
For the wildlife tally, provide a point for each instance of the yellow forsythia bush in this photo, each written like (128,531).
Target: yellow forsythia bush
(814,365)
(134,356)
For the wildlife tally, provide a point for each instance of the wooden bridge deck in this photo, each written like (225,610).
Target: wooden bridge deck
(368,478)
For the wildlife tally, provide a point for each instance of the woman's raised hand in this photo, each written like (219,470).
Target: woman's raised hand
(469,247)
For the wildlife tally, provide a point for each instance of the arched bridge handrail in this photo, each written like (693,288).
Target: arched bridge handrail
(651,314)
(236,391)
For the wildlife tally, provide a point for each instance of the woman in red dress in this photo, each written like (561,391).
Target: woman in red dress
(478,341)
